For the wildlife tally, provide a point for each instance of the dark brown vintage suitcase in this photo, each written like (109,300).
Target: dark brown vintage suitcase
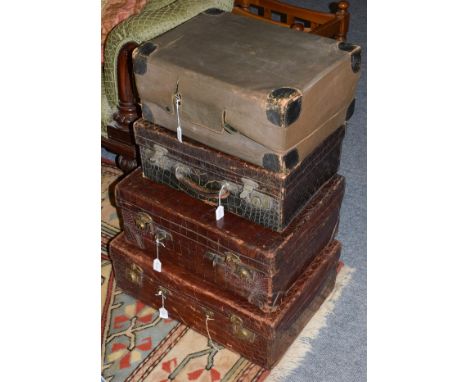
(251,261)
(260,337)
(266,197)
(266,94)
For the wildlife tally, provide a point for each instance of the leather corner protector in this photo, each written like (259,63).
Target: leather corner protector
(271,162)
(283,106)
(356,61)
(350,110)
(146,113)
(213,12)
(291,159)
(140,56)
(147,48)
(355,55)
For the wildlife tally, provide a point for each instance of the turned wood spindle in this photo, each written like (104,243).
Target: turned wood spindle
(127,108)
(343,15)
(244,4)
(297,27)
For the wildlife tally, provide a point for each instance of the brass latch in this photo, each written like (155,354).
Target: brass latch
(208,313)
(251,196)
(233,262)
(159,153)
(135,274)
(158,157)
(239,330)
(142,220)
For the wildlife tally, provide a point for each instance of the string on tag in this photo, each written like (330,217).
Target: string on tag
(160,293)
(157,265)
(158,243)
(220,209)
(163,313)
(219,195)
(207,318)
(177,104)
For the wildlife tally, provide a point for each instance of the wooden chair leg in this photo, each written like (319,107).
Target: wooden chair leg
(120,130)
(128,110)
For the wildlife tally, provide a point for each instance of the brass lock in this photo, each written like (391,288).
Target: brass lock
(235,263)
(142,220)
(135,274)
(239,330)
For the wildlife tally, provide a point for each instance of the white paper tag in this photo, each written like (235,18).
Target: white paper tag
(179,134)
(163,313)
(219,212)
(157,266)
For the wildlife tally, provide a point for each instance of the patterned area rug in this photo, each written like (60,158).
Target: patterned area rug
(136,345)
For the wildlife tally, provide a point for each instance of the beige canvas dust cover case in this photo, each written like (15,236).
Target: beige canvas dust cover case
(264,93)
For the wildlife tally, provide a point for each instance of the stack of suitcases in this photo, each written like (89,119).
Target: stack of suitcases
(230,223)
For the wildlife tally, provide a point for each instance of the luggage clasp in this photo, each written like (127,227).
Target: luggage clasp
(253,197)
(239,330)
(135,274)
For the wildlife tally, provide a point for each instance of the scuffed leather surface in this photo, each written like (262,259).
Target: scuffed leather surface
(189,298)
(274,259)
(288,192)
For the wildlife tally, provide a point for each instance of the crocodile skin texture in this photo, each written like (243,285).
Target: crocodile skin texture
(157,17)
(268,217)
(264,197)
(235,254)
(260,337)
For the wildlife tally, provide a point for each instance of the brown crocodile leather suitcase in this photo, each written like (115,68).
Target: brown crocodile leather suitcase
(260,337)
(263,93)
(250,261)
(266,197)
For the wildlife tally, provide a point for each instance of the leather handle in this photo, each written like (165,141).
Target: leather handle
(200,190)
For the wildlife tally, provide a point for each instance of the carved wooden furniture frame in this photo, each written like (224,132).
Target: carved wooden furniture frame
(120,138)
